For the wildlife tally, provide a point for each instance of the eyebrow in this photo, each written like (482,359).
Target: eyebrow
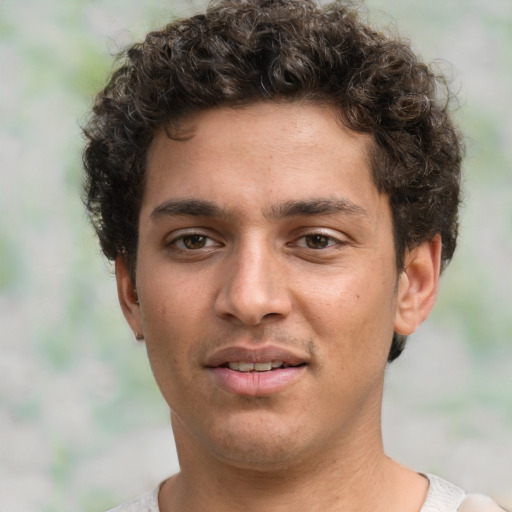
(187,207)
(293,208)
(316,206)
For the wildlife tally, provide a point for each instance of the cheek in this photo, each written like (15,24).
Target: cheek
(170,300)
(348,295)
(353,310)
(168,319)
(168,335)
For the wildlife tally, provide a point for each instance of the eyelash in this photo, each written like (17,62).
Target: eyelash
(179,241)
(331,241)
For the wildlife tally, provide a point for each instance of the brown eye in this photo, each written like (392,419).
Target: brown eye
(317,241)
(194,241)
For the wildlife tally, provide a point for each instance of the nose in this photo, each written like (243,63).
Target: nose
(253,287)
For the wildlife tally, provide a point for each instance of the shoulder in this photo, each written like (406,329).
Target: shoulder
(443,496)
(479,503)
(146,503)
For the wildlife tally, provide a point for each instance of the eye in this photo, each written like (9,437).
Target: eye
(193,242)
(317,241)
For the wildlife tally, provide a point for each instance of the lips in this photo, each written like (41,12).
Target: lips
(255,372)
(244,366)
(261,355)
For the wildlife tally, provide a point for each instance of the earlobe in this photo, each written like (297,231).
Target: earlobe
(417,286)
(128,298)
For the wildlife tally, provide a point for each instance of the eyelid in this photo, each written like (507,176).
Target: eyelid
(175,236)
(338,238)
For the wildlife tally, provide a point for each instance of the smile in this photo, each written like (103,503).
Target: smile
(243,366)
(261,359)
(262,371)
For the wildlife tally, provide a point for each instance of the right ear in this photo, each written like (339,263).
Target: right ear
(128,298)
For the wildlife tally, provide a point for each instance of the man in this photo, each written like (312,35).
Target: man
(278,186)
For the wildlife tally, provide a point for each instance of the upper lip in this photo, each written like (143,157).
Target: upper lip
(264,354)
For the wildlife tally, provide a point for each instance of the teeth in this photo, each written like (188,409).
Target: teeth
(262,367)
(242,366)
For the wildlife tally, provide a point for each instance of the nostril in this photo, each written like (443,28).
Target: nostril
(271,315)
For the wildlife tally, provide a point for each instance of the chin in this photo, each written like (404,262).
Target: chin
(260,457)
(258,442)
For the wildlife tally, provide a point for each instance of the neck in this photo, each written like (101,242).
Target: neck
(351,477)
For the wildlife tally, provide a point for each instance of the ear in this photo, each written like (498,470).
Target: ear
(417,286)
(128,297)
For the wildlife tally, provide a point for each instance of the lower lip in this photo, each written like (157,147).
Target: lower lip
(256,383)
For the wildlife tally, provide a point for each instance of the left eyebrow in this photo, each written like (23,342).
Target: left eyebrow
(316,206)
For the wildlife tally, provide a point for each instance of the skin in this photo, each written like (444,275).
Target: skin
(227,258)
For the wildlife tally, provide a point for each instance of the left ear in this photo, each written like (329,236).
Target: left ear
(417,286)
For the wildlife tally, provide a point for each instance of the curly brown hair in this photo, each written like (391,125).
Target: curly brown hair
(243,51)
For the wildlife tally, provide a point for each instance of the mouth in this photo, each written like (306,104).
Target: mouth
(256,372)
(245,366)
(261,359)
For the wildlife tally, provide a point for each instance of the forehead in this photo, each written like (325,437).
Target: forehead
(266,152)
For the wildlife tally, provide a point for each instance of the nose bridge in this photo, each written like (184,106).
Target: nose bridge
(254,286)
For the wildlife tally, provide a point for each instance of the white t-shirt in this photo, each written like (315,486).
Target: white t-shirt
(442,496)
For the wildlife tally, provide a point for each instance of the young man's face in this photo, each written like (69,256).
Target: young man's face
(262,239)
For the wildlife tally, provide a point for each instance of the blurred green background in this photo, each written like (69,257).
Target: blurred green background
(82,425)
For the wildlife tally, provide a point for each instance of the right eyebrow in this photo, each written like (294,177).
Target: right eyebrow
(186,207)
